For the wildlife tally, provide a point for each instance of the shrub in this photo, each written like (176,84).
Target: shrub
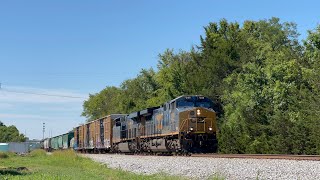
(3,155)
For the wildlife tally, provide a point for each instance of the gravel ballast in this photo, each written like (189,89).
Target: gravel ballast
(204,167)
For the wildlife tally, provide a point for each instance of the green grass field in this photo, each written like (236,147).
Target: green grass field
(61,165)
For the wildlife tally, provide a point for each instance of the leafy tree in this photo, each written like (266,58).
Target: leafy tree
(103,103)
(10,134)
(267,96)
(138,93)
(175,75)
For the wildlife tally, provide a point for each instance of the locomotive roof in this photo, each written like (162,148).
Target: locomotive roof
(148,111)
(185,96)
(144,112)
(134,115)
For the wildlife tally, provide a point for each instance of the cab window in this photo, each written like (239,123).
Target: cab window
(185,103)
(207,103)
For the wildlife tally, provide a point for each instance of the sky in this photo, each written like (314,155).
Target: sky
(73,48)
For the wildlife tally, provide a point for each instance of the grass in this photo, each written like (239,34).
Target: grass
(62,165)
(3,155)
(217,176)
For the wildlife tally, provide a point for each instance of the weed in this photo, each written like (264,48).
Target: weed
(3,155)
(38,153)
(217,176)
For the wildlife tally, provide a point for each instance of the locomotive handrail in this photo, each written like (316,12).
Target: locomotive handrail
(183,123)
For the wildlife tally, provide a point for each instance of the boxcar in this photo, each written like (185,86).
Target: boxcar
(47,144)
(66,138)
(95,136)
(60,142)
(54,143)
(79,138)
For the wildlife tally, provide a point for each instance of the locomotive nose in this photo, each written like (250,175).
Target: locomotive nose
(198,120)
(198,127)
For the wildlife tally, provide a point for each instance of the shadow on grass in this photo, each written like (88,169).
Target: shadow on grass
(14,171)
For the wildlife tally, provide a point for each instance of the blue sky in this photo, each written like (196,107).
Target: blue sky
(78,47)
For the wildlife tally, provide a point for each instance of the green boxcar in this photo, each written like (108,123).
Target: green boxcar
(54,143)
(60,143)
(66,139)
(4,147)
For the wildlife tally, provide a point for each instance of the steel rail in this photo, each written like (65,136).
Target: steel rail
(261,156)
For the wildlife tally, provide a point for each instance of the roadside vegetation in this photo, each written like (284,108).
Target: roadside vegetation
(263,78)
(61,165)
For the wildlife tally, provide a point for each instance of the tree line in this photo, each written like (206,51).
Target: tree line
(10,134)
(263,79)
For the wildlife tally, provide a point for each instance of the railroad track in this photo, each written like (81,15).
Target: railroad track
(241,156)
(261,156)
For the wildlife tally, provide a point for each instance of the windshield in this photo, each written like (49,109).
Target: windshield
(206,104)
(185,103)
(195,101)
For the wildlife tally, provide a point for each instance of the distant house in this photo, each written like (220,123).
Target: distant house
(4,147)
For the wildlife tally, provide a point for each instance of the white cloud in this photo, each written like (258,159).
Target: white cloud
(28,111)
(10,97)
(26,117)
(32,125)
(8,116)
(6,105)
(60,108)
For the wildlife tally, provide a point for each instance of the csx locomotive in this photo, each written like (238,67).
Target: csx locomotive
(186,124)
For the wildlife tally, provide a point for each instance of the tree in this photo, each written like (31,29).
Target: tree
(10,134)
(267,98)
(102,104)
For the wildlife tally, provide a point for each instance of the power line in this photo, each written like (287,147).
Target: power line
(40,94)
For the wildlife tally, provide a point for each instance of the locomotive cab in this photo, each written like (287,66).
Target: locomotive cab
(197,124)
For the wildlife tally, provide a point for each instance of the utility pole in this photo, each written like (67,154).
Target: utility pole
(43,129)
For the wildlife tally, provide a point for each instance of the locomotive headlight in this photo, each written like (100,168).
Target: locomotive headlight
(191,129)
(198,112)
(210,128)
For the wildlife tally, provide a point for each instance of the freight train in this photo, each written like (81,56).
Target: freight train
(186,124)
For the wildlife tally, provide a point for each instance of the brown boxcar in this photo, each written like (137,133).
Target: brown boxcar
(98,124)
(107,132)
(81,136)
(95,136)
(92,129)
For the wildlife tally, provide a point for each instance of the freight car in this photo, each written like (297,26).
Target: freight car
(185,124)
(95,136)
(60,142)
